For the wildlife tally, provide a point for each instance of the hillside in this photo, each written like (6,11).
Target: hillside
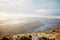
(19,28)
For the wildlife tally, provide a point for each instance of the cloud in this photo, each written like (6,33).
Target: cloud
(43,11)
(15,5)
(10,18)
(47,7)
(50,12)
(5,16)
(27,7)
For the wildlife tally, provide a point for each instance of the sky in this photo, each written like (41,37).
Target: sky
(17,12)
(30,8)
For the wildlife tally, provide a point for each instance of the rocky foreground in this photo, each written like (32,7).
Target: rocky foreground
(48,35)
(53,34)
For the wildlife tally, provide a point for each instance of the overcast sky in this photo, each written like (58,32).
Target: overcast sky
(30,7)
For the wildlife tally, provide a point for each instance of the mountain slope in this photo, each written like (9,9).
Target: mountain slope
(18,28)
